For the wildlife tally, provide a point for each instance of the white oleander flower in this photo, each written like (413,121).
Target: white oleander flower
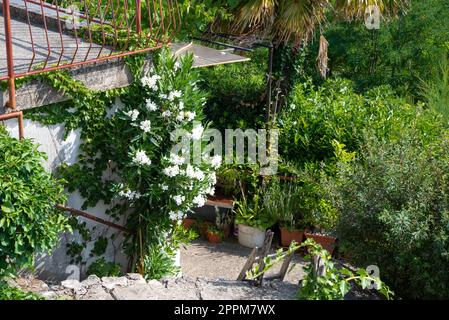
(141,158)
(151,106)
(199,200)
(199,175)
(166,113)
(181,105)
(145,126)
(213,178)
(210,190)
(180,116)
(164,187)
(176,215)
(189,115)
(131,195)
(177,160)
(177,93)
(171,171)
(216,161)
(177,65)
(133,114)
(197,132)
(163,96)
(190,171)
(178,199)
(151,82)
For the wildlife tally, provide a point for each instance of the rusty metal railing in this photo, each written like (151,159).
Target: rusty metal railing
(60,34)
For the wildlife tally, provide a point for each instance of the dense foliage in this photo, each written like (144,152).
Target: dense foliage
(399,54)
(318,116)
(324,281)
(394,209)
(236,93)
(12,293)
(148,183)
(29,222)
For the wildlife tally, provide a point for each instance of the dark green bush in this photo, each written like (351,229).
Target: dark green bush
(394,207)
(237,92)
(398,54)
(29,222)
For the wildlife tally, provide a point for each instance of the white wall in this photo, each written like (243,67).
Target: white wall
(51,141)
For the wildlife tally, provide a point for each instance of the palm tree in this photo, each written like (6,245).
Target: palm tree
(290,24)
(295,21)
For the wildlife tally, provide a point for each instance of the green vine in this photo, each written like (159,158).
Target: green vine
(85,110)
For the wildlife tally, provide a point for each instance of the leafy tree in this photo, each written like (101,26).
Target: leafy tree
(29,221)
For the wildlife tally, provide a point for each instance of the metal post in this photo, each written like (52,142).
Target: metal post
(269,84)
(9,55)
(139,16)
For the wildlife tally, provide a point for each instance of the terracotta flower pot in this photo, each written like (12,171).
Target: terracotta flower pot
(213,237)
(203,228)
(288,236)
(188,223)
(327,242)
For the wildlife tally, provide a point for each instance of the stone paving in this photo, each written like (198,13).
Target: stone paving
(135,287)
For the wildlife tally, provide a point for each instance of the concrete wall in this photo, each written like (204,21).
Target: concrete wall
(56,265)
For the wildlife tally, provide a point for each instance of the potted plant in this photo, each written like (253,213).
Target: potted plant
(323,221)
(214,235)
(252,221)
(282,202)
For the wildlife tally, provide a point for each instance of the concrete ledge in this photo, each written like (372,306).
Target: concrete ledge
(99,76)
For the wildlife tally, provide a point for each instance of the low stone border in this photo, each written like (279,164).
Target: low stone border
(135,287)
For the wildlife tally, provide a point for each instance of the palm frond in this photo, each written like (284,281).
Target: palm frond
(253,14)
(297,20)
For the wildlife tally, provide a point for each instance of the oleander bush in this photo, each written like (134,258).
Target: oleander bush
(29,222)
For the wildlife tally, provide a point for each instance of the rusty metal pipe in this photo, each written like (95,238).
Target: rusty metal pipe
(139,16)
(9,55)
(13,115)
(92,217)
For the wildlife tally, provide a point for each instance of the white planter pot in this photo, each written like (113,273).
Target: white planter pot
(251,237)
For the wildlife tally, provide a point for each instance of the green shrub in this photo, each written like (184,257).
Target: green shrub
(394,212)
(436,90)
(250,211)
(102,268)
(236,92)
(317,117)
(29,222)
(11,293)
